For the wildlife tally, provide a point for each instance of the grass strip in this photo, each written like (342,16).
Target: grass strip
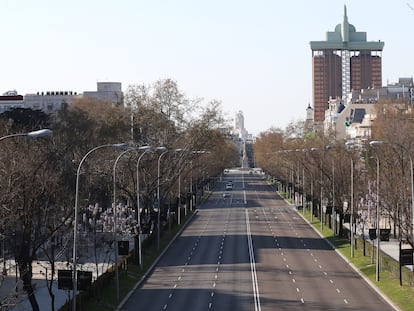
(389,284)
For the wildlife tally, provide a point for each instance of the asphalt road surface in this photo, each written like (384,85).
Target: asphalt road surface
(251,251)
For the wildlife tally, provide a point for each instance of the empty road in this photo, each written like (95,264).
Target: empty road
(251,251)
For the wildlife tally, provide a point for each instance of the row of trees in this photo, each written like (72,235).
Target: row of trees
(320,168)
(39,176)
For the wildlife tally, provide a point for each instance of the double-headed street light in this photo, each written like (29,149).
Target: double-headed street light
(75,225)
(163,150)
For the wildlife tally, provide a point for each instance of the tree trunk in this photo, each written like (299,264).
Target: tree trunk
(341,223)
(50,290)
(50,284)
(25,269)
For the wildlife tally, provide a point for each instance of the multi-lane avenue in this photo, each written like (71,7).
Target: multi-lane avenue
(250,250)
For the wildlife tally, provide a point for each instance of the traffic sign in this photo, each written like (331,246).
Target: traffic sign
(385,234)
(123,248)
(372,234)
(65,279)
(84,280)
(406,256)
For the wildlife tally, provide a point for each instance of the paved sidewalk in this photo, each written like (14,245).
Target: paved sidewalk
(391,248)
(13,297)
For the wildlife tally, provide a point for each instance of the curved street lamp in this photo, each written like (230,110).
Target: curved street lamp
(33,134)
(351,144)
(164,151)
(179,187)
(146,150)
(115,237)
(75,226)
(115,228)
(377,264)
(321,186)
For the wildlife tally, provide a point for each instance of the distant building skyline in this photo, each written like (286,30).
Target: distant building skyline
(53,101)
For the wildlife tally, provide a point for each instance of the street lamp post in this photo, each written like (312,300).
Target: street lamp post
(32,134)
(191,186)
(350,144)
(321,197)
(329,147)
(311,189)
(333,199)
(303,191)
(179,199)
(164,151)
(146,150)
(115,229)
(75,225)
(321,188)
(179,189)
(352,209)
(377,266)
(311,205)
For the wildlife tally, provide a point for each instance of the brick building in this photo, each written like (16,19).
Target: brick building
(343,62)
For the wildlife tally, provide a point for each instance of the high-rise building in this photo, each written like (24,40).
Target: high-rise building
(239,121)
(238,127)
(345,61)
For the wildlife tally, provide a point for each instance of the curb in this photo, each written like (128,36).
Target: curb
(151,268)
(366,279)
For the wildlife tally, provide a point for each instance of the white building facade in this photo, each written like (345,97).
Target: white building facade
(238,127)
(52,101)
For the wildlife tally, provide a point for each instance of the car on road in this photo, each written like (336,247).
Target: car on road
(229,186)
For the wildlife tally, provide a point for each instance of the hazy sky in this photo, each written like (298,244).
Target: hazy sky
(254,56)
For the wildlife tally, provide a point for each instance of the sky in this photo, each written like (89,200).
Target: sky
(252,55)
